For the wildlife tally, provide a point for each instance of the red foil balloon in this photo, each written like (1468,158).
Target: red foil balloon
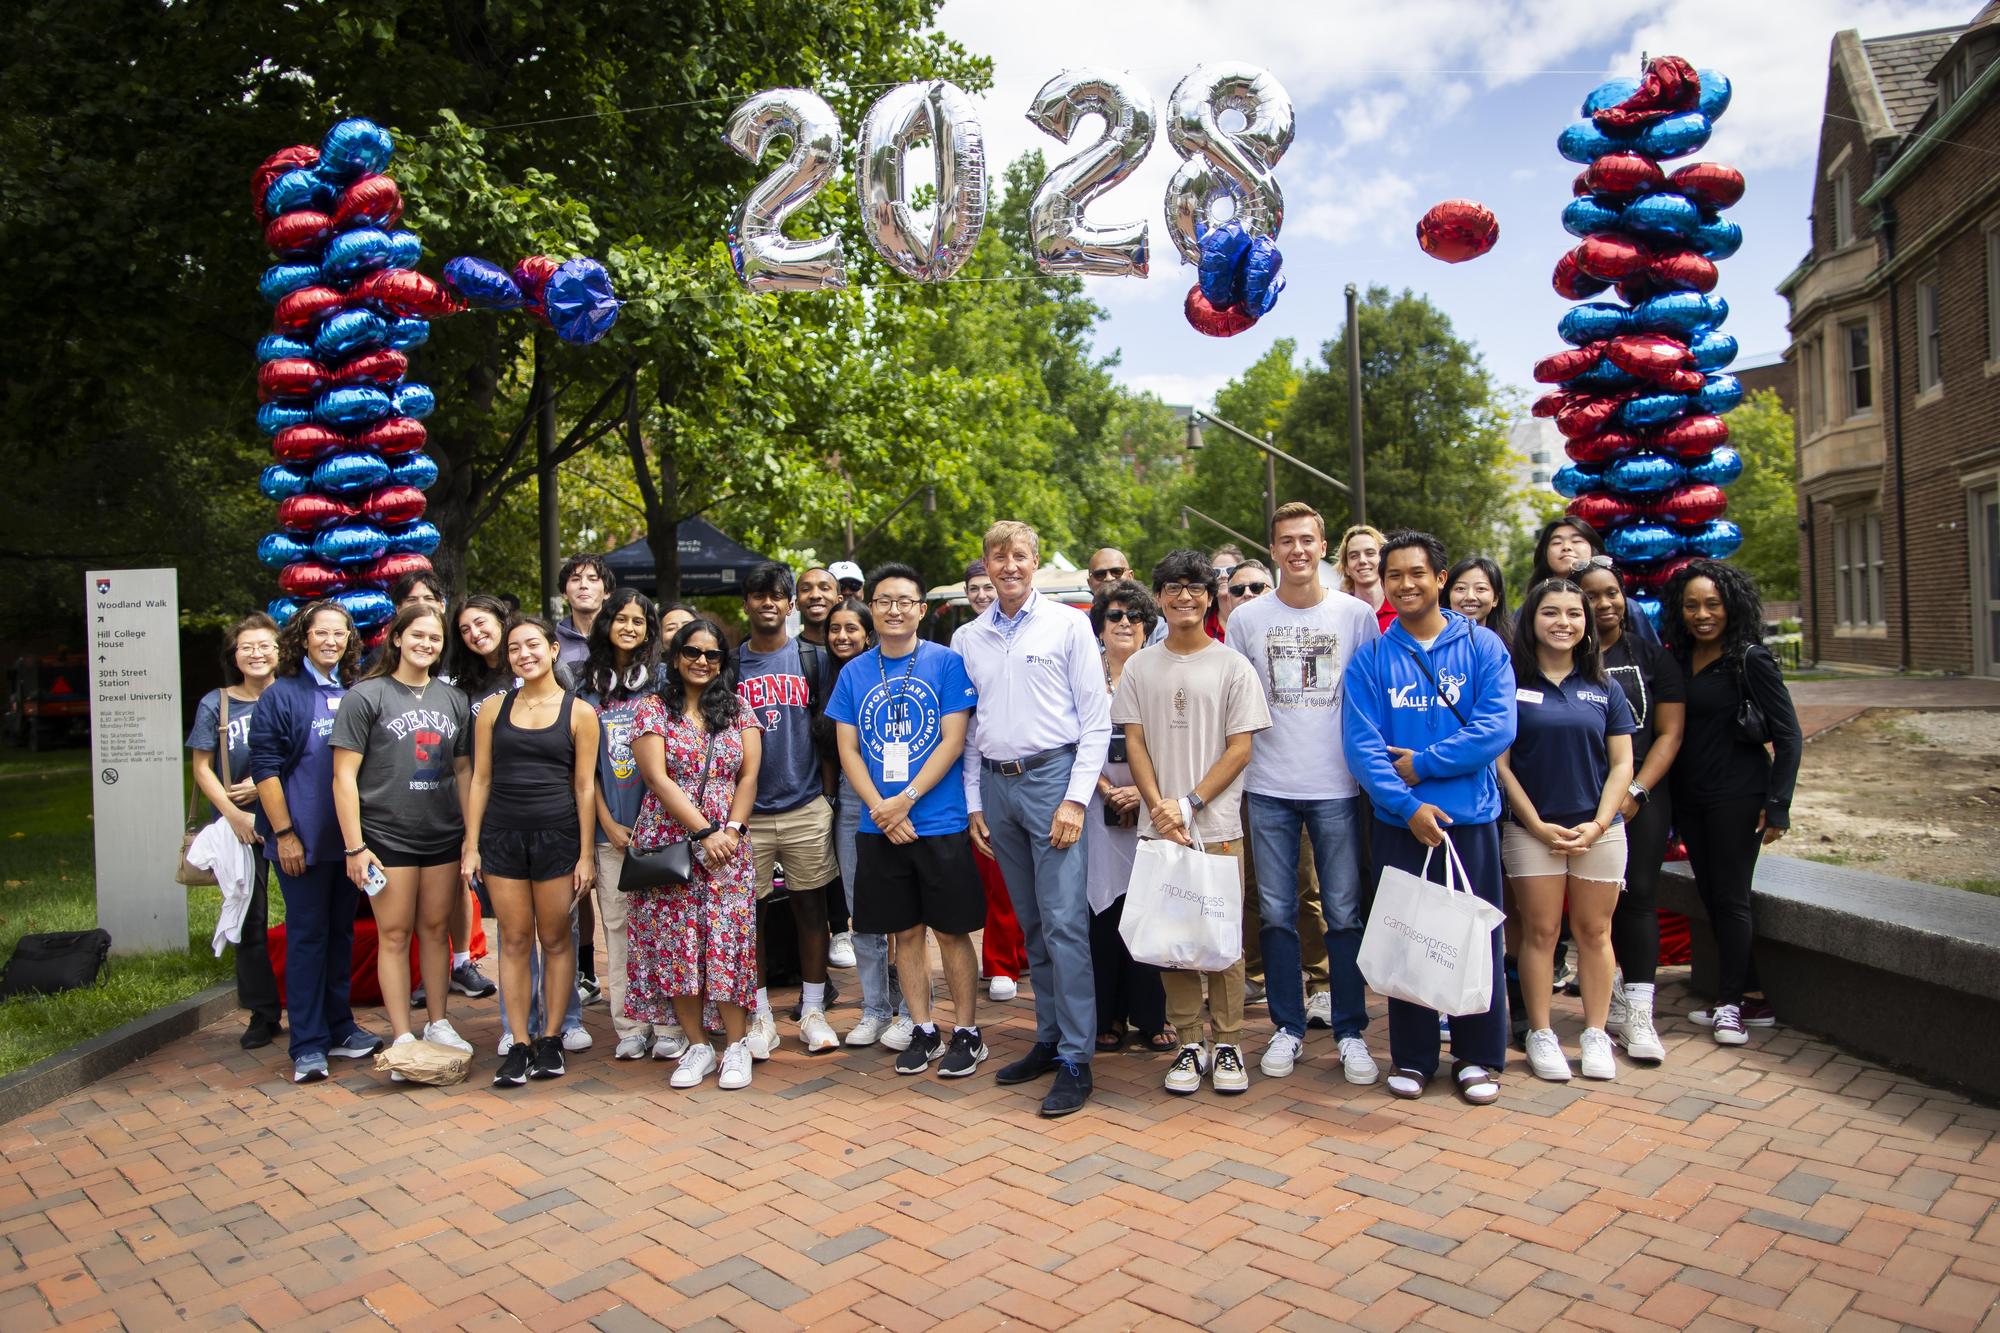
(393,504)
(372,201)
(274,166)
(300,312)
(1683,270)
(532,276)
(1224,323)
(308,513)
(1572,283)
(289,377)
(1709,183)
(397,435)
(302,444)
(1624,174)
(1457,230)
(389,568)
(1609,256)
(1581,185)
(1590,416)
(1691,506)
(1603,510)
(1670,85)
(1693,437)
(1554,401)
(298,234)
(407,293)
(1568,363)
(383,366)
(1603,446)
(1650,356)
(310,578)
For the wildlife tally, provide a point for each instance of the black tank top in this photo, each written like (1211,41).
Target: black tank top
(532,772)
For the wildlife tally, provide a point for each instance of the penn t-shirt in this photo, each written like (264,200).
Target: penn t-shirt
(773,687)
(906,699)
(206,733)
(408,740)
(1560,754)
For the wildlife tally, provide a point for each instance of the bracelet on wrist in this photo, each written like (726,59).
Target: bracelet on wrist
(284,832)
(356,851)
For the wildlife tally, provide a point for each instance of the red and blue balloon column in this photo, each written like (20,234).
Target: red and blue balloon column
(345,421)
(1642,388)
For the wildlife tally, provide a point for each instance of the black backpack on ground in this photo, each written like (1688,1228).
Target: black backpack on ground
(46,964)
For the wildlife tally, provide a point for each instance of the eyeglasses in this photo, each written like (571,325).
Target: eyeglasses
(328,635)
(1248,589)
(1109,572)
(900,605)
(1171,592)
(1118,615)
(713,656)
(1594,562)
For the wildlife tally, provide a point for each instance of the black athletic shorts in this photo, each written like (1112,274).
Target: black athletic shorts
(395,857)
(542,854)
(930,882)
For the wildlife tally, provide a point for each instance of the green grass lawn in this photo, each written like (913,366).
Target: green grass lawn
(47,883)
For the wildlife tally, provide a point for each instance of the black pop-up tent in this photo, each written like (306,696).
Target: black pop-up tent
(711,563)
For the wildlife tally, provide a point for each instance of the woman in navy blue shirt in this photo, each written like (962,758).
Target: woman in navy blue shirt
(291,757)
(1565,777)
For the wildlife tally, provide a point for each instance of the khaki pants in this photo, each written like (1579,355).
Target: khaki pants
(1225,988)
(611,915)
(1312,922)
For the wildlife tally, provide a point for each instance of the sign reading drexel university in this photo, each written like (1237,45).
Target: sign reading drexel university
(136,758)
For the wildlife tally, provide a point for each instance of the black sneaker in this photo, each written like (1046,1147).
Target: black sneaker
(924,1047)
(547,1061)
(513,1067)
(468,980)
(1039,1060)
(259,1034)
(968,1048)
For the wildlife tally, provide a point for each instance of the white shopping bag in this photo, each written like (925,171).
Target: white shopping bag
(1431,944)
(1183,907)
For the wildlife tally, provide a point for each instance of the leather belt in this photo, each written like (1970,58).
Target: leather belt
(1014,768)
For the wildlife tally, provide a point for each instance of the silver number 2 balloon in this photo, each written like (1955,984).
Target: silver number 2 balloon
(766,259)
(1063,241)
(906,115)
(1236,163)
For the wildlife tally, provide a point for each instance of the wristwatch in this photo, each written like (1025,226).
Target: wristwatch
(1637,793)
(738,827)
(1195,802)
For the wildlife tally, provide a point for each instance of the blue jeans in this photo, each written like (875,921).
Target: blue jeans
(879,993)
(1478,1039)
(1333,825)
(1048,889)
(319,955)
(571,1019)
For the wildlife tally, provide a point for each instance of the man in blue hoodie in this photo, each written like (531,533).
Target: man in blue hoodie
(1425,710)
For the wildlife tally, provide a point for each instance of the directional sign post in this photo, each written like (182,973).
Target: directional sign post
(135,753)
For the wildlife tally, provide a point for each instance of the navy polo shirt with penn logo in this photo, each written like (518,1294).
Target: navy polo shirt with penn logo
(1560,754)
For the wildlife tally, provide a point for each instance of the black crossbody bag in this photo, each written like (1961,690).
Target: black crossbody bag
(672,865)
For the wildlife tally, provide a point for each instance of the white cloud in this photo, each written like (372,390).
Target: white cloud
(1198,389)
(1340,208)
(1367,118)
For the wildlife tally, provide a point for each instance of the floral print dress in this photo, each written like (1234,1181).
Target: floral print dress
(698,937)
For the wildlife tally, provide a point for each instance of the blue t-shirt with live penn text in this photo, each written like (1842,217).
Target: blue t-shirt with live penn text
(889,699)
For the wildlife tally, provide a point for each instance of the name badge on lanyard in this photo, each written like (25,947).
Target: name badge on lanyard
(896,761)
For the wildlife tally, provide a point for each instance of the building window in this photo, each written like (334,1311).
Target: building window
(1993,294)
(1857,570)
(1930,347)
(1955,82)
(1860,376)
(1843,210)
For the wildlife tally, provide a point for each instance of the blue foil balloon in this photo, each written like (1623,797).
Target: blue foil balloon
(1678,314)
(1644,474)
(1261,280)
(282,609)
(346,333)
(281,482)
(354,148)
(279,549)
(352,406)
(1593,321)
(415,400)
(1646,605)
(1712,350)
(1721,394)
(349,543)
(1715,93)
(417,537)
(1583,143)
(407,333)
(369,607)
(1601,378)
(274,417)
(404,249)
(1664,214)
(277,347)
(353,253)
(1609,94)
(1655,409)
(1675,136)
(298,188)
(1584,216)
(482,284)
(1642,541)
(1571,480)
(1718,239)
(1717,539)
(281,280)
(346,473)
(419,470)
(1720,468)
(1221,267)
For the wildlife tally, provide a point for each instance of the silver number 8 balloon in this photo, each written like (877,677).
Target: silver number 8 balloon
(1239,163)
(1063,241)
(766,259)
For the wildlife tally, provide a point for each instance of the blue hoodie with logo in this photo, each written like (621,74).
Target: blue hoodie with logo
(1387,699)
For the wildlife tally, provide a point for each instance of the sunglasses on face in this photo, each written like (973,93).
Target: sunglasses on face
(1109,572)
(1248,589)
(713,656)
(1118,615)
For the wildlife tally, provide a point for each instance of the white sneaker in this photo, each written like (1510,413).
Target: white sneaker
(815,1033)
(669,1042)
(735,1067)
(633,1046)
(1184,1075)
(1002,989)
(840,951)
(1281,1055)
(695,1063)
(1545,1056)
(1319,1010)
(898,1035)
(867,1032)
(1597,1060)
(395,1077)
(1356,1065)
(576,1039)
(444,1034)
(762,1038)
(1642,1039)
(1228,1074)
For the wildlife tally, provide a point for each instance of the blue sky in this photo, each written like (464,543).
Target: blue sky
(1405,104)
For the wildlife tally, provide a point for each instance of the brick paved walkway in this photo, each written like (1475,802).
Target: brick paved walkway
(1785,1185)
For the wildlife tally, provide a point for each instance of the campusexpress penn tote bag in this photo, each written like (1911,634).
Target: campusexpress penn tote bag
(1183,907)
(1431,944)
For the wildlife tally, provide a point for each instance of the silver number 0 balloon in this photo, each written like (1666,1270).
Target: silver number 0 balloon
(1062,240)
(908,114)
(766,259)
(1237,163)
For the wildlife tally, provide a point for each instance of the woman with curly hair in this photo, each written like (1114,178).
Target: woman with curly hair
(1731,795)
(291,757)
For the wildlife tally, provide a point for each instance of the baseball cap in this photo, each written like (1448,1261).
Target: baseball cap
(846,571)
